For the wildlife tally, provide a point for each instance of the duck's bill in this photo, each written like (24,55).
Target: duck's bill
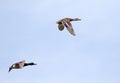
(35,64)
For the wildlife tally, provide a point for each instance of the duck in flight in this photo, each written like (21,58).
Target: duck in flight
(65,22)
(20,65)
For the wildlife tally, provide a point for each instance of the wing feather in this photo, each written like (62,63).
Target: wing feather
(69,27)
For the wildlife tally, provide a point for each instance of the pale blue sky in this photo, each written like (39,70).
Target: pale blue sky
(28,31)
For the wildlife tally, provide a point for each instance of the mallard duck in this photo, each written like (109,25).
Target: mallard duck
(65,22)
(20,65)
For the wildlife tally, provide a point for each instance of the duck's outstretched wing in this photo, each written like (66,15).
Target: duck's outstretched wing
(69,27)
(10,68)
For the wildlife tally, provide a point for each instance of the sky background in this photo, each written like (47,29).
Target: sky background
(28,31)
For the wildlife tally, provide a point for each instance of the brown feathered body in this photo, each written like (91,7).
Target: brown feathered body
(65,22)
(20,65)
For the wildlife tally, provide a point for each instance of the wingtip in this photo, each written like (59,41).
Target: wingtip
(74,34)
(9,70)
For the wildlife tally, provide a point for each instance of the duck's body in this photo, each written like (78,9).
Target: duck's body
(65,22)
(20,65)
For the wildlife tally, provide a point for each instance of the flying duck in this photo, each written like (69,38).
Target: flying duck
(20,65)
(65,22)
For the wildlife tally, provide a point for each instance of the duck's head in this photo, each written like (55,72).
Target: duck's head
(32,63)
(77,19)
